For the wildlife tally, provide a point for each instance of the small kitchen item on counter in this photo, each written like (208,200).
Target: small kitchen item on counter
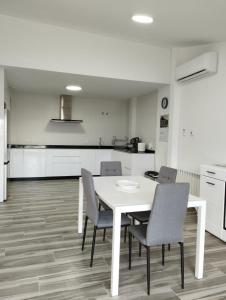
(141,147)
(134,142)
(150,146)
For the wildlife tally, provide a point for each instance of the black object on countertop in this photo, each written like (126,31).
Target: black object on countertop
(60,146)
(152,174)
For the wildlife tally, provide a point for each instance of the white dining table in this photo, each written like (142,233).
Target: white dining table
(140,199)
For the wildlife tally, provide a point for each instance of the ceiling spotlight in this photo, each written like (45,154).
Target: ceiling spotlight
(74,88)
(142,19)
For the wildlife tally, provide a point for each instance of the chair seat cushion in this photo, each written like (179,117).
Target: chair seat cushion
(141,216)
(106,219)
(139,232)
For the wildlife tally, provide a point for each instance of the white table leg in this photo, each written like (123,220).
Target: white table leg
(115,252)
(200,241)
(80,206)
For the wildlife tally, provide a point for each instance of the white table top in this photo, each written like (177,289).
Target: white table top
(139,200)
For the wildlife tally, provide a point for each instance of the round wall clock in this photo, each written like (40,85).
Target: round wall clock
(164,103)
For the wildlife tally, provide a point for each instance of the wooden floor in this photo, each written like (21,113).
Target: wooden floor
(41,258)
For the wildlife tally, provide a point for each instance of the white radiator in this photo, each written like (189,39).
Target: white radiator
(191,177)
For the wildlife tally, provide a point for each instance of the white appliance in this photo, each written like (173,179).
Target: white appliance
(6,153)
(213,190)
(141,147)
(203,65)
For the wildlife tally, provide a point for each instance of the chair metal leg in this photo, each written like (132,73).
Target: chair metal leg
(130,250)
(140,244)
(133,222)
(125,234)
(182,264)
(104,234)
(93,245)
(168,247)
(163,254)
(84,233)
(139,249)
(148,270)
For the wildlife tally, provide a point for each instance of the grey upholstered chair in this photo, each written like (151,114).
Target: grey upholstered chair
(165,225)
(166,175)
(110,168)
(100,219)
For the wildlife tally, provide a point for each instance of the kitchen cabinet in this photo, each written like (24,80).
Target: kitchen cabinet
(101,155)
(63,162)
(134,163)
(212,189)
(16,163)
(88,160)
(34,163)
(51,162)
(30,163)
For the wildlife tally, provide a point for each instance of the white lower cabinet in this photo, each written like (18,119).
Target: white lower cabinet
(63,162)
(34,163)
(16,167)
(30,163)
(101,155)
(134,163)
(88,160)
(212,190)
(68,162)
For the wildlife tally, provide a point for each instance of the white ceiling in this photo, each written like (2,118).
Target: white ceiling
(45,82)
(177,22)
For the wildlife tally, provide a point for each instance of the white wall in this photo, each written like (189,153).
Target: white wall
(41,46)
(202,111)
(132,117)
(146,113)
(30,115)
(144,121)
(161,156)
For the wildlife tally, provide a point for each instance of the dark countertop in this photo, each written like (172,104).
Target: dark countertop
(59,146)
(121,149)
(131,152)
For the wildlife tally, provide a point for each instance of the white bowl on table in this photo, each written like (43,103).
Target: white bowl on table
(127,184)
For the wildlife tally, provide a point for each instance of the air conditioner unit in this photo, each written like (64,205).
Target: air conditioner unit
(203,65)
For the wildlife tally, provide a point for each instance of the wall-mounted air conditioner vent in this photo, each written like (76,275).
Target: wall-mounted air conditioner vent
(203,65)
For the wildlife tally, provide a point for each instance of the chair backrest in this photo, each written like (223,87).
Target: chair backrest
(167,175)
(168,213)
(90,195)
(111,168)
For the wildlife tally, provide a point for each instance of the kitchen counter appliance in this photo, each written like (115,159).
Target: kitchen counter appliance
(134,144)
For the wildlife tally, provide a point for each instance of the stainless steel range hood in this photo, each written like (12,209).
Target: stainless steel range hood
(65,111)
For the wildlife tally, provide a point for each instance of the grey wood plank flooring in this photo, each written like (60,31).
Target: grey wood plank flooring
(41,258)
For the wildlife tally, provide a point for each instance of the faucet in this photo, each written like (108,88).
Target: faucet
(113,140)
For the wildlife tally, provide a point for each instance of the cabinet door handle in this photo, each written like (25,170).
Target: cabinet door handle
(210,172)
(210,183)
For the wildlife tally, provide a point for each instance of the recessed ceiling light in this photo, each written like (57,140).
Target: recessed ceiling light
(142,19)
(74,88)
